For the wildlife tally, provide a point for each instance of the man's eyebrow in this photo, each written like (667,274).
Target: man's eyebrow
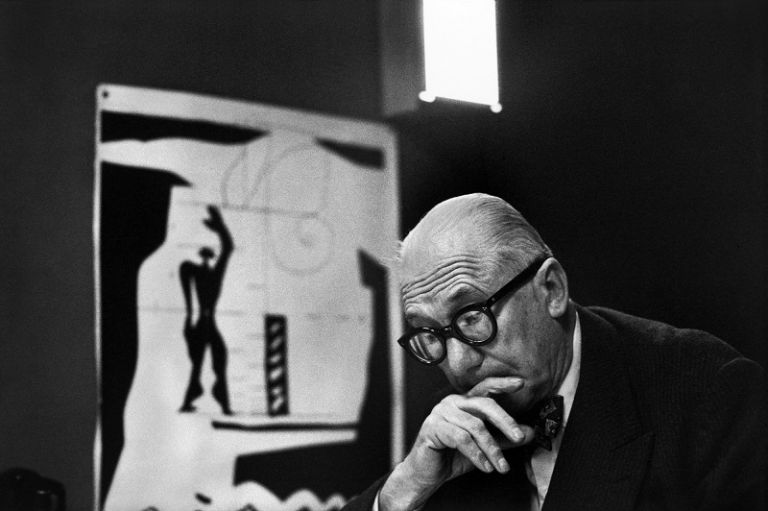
(463,291)
(454,300)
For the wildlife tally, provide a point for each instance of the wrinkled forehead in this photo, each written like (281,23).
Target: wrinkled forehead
(439,265)
(435,239)
(461,271)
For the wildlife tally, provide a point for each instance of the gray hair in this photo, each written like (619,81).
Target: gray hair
(510,242)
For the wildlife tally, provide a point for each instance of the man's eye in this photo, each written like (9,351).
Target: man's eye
(470,318)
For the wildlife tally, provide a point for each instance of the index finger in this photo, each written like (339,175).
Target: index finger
(495,385)
(487,409)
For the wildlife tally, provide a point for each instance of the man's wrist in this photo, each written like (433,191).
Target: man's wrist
(400,493)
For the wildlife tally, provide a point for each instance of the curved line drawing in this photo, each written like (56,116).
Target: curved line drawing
(307,250)
(262,173)
(247,191)
(310,239)
(227,175)
(299,239)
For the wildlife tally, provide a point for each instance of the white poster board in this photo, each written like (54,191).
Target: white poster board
(244,314)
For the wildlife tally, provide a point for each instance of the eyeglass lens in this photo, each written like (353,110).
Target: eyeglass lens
(474,325)
(426,346)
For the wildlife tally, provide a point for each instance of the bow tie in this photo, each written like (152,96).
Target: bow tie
(546,418)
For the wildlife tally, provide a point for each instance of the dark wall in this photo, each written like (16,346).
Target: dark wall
(632,137)
(320,56)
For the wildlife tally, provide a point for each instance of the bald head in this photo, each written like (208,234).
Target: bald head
(484,226)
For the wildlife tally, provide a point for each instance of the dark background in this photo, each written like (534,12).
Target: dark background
(632,136)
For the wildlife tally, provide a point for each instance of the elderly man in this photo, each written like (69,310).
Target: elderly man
(556,405)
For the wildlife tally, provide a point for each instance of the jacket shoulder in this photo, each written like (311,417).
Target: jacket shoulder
(667,346)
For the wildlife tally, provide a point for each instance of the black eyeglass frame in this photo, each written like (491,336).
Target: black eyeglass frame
(452,330)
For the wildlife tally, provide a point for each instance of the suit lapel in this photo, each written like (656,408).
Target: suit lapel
(604,453)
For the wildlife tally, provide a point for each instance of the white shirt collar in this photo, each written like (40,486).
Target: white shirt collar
(542,463)
(568,387)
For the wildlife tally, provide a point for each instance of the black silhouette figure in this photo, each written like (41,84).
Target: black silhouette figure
(206,278)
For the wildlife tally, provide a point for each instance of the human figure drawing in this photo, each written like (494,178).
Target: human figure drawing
(206,278)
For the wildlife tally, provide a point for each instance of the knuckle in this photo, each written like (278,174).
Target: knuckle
(476,426)
(437,408)
(493,448)
(485,400)
(463,437)
(486,440)
(429,420)
(485,437)
(440,409)
(472,452)
(429,423)
(450,399)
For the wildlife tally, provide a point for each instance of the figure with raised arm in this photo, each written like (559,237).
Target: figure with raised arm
(204,280)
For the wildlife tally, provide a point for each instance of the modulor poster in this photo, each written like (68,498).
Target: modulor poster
(244,310)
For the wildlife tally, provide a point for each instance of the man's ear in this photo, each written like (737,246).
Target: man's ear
(551,279)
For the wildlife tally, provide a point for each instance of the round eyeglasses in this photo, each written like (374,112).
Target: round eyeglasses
(474,324)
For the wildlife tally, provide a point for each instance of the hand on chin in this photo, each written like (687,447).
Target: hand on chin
(510,392)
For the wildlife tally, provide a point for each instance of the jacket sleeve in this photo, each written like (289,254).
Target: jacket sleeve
(364,501)
(733,439)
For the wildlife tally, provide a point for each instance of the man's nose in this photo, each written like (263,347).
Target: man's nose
(460,356)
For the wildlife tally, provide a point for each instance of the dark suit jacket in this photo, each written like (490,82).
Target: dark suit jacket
(663,418)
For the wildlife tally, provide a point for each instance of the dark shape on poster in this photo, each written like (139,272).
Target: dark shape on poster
(204,499)
(276,364)
(205,279)
(124,126)
(365,156)
(134,215)
(340,468)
